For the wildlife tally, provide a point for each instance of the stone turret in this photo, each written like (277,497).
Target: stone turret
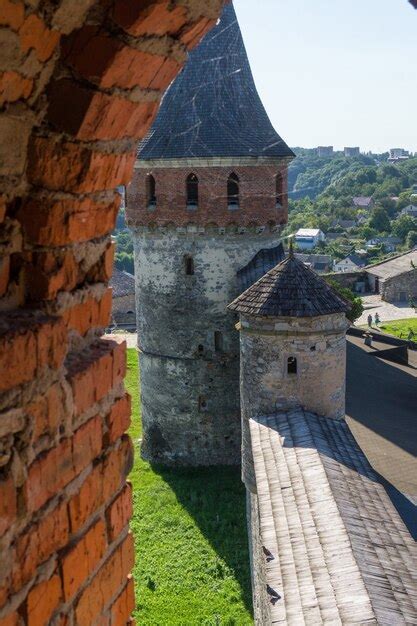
(293,347)
(206,206)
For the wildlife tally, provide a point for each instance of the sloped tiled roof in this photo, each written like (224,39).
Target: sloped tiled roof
(213,109)
(337,550)
(122,283)
(290,289)
(395,266)
(262,262)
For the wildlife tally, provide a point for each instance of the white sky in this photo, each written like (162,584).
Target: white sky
(332,72)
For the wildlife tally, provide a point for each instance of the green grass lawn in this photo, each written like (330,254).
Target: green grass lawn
(192,563)
(400,328)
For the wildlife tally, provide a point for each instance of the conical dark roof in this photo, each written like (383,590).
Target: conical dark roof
(212,109)
(291,289)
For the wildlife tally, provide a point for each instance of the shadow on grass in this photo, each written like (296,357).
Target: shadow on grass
(215,498)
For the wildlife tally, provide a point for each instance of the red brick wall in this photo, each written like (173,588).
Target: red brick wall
(82,84)
(257,192)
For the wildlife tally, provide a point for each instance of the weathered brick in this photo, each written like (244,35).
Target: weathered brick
(4,274)
(51,273)
(119,512)
(35,34)
(103,269)
(89,115)
(105,479)
(149,18)
(50,222)
(83,558)
(8,503)
(119,362)
(14,86)
(124,605)
(29,342)
(11,14)
(110,63)
(109,579)
(73,167)
(49,474)
(87,443)
(47,411)
(89,314)
(43,600)
(39,542)
(118,420)
(193,34)
(10,620)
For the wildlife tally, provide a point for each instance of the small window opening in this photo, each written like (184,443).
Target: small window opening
(192,191)
(189,265)
(233,191)
(313,348)
(150,191)
(292,365)
(200,348)
(279,190)
(202,403)
(218,341)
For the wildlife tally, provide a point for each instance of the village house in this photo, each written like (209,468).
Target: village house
(395,279)
(362,202)
(308,238)
(123,313)
(389,243)
(410,210)
(351,263)
(320,263)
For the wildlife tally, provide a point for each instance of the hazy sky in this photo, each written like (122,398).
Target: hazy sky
(332,72)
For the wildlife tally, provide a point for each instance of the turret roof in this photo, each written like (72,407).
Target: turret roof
(291,289)
(213,109)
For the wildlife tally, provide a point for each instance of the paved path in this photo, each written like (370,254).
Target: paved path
(386,310)
(130,338)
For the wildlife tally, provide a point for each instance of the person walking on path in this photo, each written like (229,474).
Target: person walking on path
(369,320)
(377,320)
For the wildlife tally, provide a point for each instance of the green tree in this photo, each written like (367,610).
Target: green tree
(380,219)
(403,225)
(356,306)
(411,239)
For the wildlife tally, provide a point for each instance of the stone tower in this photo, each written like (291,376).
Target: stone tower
(293,347)
(206,206)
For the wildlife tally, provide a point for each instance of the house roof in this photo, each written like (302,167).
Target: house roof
(395,266)
(122,283)
(262,262)
(308,232)
(363,201)
(213,109)
(356,259)
(290,289)
(335,548)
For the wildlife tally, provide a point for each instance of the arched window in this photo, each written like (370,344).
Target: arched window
(189,265)
(292,365)
(192,191)
(233,191)
(150,191)
(279,190)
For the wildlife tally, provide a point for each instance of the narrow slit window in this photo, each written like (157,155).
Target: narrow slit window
(189,265)
(202,403)
(292,365)
(218,341)
(192,191)
(233,191)
(150,191)
(279,190)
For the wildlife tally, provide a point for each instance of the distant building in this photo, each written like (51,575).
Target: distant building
(396,278)
(345,224)
(410,210)
(351,263)
(362,202)
(308,238)
(398,154)
(390,243)
(325,151)
(123,303)
(320,263)
(352,152)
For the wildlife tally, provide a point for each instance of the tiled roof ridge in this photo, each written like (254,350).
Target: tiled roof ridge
(290,289)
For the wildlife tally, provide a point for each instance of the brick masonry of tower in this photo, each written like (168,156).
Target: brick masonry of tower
(190,385)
